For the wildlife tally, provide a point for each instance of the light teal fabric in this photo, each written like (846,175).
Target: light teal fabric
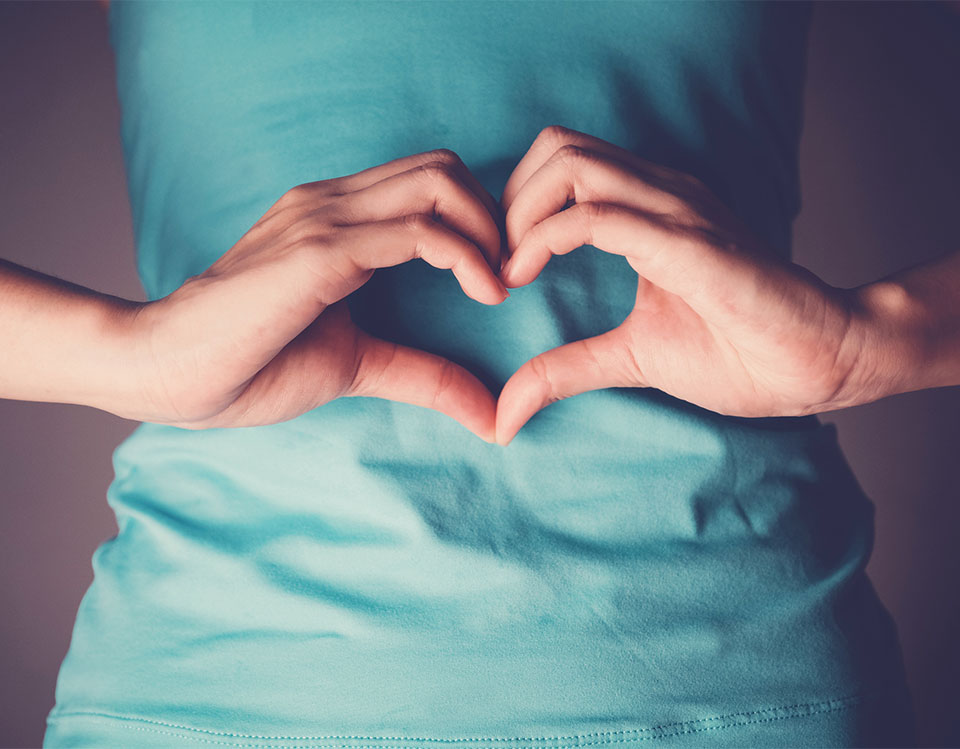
(630,569)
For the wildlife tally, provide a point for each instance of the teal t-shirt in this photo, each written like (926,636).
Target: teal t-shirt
(631,568)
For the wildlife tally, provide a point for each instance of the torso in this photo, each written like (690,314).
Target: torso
(628,563)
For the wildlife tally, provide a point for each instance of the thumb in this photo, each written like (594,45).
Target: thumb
(408,375)
(590,364)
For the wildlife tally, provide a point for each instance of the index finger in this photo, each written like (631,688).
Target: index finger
(374,174)
(552,138)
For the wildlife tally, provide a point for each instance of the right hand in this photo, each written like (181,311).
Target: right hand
(264,334)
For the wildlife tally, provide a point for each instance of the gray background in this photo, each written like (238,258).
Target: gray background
(881,189)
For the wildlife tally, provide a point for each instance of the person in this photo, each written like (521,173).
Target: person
(315,548)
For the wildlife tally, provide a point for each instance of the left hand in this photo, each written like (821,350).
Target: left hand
(719,321)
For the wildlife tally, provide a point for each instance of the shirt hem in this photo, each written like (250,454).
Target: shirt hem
(675,729)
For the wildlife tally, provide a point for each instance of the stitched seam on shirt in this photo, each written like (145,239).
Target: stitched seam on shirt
(605,737)
(578,744)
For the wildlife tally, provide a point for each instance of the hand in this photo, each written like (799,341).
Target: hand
(718,320)
(264,335)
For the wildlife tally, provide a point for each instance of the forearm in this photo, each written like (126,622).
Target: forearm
(63,343)
(908,331)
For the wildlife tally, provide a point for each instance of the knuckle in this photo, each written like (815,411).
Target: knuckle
(556,135)
(296,194)
(593,353)
(632,363)
(532,237)
(590,214)
(369,369)
(418,223)
(573,154)
(541,372)
(444,156)
(445,380)
(592,210)
(437,172)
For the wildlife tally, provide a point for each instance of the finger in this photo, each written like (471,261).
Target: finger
(433,187)
(372,175)
(398,373)
(381,244)
(715,279)
(309,192)
(590,364)
(489,202)
(574,173)
(554,137)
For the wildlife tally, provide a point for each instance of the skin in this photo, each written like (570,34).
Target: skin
(264,335)
(718,320)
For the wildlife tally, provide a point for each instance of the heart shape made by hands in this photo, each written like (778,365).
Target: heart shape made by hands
(719,320)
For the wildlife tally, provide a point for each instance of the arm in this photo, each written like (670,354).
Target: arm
(64,343)
(264,334)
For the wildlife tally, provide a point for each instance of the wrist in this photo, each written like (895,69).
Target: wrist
(106,373)
(892,337)
(64,343)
